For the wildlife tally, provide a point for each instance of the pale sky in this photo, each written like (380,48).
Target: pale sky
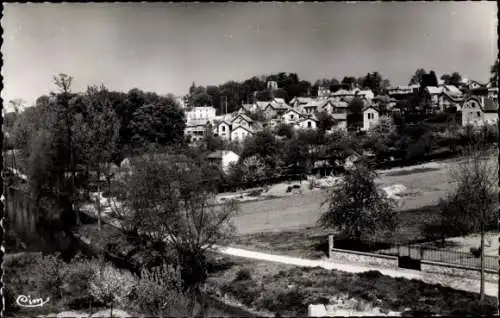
(164,47)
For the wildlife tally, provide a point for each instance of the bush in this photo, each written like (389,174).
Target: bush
(476,251)
(243,274)
(244,291)
(158,293)
(285,301)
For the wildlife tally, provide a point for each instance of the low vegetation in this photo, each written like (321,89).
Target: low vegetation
(288,291)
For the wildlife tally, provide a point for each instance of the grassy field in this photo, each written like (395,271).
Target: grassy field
(278,288)
(425,185)
(312,241)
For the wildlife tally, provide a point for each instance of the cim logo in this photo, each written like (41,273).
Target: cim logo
(27,301)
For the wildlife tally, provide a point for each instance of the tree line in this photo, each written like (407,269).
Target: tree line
(233,94)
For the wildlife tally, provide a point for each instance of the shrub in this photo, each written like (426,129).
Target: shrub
(244,291)
(243,274)
(158,292)
(109,285)
(476,251)
(75,285)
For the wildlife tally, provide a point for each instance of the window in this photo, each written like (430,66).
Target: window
(478,114)
(308,124)
(224,128)
(291,116)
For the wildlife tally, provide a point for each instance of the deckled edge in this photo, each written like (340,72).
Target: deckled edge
(2,198)
(498,124)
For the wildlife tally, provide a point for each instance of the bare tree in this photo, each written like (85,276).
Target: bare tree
(472,206)
(167,200)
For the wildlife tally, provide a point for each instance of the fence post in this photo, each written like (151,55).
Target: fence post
(330,245)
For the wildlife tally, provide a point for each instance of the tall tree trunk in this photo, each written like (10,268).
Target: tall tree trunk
(111,311)
(482,264)
(98,198)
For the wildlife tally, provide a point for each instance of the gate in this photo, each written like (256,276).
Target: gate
(410,257)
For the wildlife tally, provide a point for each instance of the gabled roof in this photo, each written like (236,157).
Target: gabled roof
(301,100)
(370,107)
(279,100)
(244,117)
(249,129)
(292,110)
(224,122)
(338,104)
(262,104)
(315,103)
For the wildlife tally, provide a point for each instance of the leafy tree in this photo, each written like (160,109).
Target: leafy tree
(355,113)
(372,81)
(159,292)
(472,206)
(265,145)
(110,285)
(161,123)
(168,200)
(263,95)
(349,80)
(454,79)
(252,169)
(357,207)
(97,134)
(285,131)
(325,121)
(418,76)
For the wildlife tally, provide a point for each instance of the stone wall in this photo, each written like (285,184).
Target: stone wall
(363,258)
(430,267)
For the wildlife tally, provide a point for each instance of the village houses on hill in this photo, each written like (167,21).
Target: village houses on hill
(471,98)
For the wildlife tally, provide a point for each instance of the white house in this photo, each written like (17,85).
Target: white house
(370,117)
(198,113)
(223,130)
(223,159)
(307,123)
(323,92)
(479,111)
(239,133)
(291,116)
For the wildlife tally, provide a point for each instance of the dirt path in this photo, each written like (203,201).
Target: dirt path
(460,283)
